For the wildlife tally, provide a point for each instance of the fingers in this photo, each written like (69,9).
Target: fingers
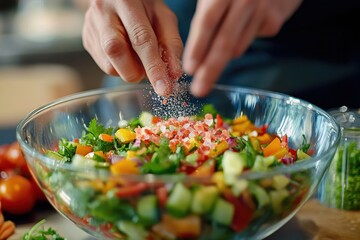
(251,29)
(222,47)
(144,42)
(105,39)
(206,20)
(119,52)
(171,46)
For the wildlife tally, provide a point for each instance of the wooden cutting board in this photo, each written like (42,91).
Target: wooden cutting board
(325,223)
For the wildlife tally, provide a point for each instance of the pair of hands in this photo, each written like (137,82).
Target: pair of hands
(135,39)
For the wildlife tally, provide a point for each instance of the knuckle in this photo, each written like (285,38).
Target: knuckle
(112,46)
(141,35)
(132,77)
(153,69)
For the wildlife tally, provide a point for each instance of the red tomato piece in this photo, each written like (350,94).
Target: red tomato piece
(219,121)
(243,212)
(131,190)
(162,196)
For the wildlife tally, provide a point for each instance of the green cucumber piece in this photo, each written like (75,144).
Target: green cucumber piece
(204,199)
(277,197)
(132,230)
(261,196)
(179,201)
(147,209)
(233,165)
(54,155)
(223,212)
(262,163)
(239,186)
(146,119)
(280,181)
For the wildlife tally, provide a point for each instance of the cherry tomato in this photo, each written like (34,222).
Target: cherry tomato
(39,194)
(4,163)
(17,195)
(16,158)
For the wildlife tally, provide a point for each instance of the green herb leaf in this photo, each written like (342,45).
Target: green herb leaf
(38,232)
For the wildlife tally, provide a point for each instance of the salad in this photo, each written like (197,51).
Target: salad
(208,147)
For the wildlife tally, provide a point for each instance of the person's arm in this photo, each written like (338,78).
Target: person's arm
(134,39)
(224,29)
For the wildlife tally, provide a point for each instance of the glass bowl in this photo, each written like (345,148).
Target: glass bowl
(89,196)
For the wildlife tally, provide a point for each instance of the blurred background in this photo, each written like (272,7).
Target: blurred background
(41,57)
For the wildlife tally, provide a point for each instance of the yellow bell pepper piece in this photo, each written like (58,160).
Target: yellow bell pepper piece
(125,135)
(219,149)
(130,154)
(125,166)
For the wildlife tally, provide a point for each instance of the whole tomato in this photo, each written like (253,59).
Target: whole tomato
(15,156)
(17,195)
(4,163)
(39,194)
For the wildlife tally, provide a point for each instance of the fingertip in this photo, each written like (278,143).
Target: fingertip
(190,66)
(199,88)
(163,87)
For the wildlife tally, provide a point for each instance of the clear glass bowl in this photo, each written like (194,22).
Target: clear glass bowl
(340,187)
(74,192)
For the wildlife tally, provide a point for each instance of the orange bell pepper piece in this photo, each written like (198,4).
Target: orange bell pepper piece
(106,137)
(273,147)
(83,149)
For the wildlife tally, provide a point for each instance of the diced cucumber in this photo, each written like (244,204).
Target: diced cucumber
(146,119)
(277,197)
(301,155)
(147,209)
(132,230)
(192,158)
(204,199)
(233,165)
(81,161)
(280,181)
(239,186)
(223,212)
(54,155)
(179,201)
(262,163)
(260,194)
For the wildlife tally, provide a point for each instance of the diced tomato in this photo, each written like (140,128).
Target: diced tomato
(243,212)
(162,196)
(155,120)
(219,121)
(284,141)
(131,190)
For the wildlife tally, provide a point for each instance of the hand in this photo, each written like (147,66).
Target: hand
(223,29)
(134,39)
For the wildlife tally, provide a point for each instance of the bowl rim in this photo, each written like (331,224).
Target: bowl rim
(301,165)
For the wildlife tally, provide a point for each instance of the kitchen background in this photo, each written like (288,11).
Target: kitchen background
(41,57)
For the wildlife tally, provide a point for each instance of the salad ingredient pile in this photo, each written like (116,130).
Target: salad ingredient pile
(204,158)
